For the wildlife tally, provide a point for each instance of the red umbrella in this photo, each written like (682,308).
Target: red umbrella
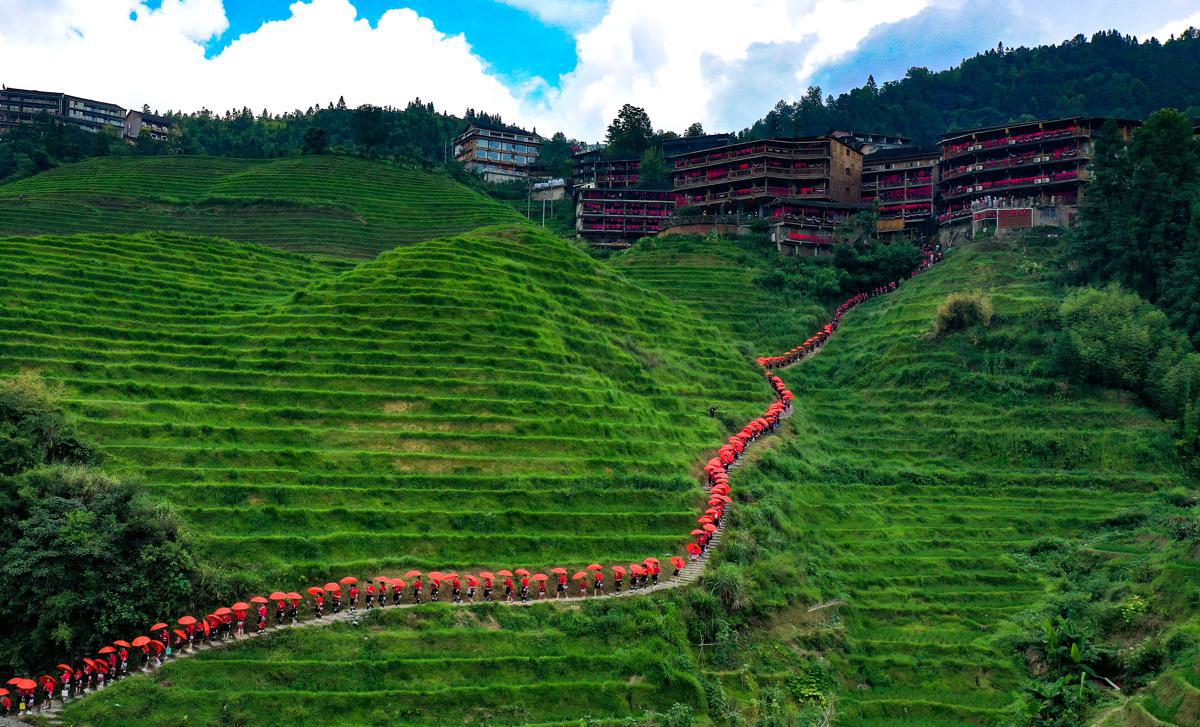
(316,591)
(23,683)
(158,626)
(385,579)
(712,511)
(212,619)
(472,581)
(697,532)
(595,566)
(92,662)
(486,576)
(522,572)
(677,561)
(399,583)
(619,570)
(279,596)
(413,574)
(651,560)
(222,611)
(332,587)
(140,641)
(579,576)
(187,620)
(505,573)
(436,575)
(158,646)
(292,595)
(260,599)
(65,667)
(178,632)
(637,569)
(559,571)
(4,692)
(704,519)
(539,577)
(47,679)
(349,581)
(107,650)
(240,606)
(207,628)
(710,527)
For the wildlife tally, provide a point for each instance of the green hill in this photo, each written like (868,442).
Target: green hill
(488,399)
(330,205)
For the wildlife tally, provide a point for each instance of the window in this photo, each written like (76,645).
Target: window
(480,154)
(494,155)
(482,143)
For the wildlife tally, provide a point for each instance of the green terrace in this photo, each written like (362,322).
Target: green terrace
(330,205)
(922,479)
(494,399)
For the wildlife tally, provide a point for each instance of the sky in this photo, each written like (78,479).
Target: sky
(553,65)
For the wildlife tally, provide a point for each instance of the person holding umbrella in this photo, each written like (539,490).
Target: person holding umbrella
(5,703)
(370,597)
(598,583)
(472,584)
(488,581)
(293,607)
(354,597)
(418,588)
(383,591)
(541,579)
(561,591)
(434,588)
(456,592)
(618,576)
(524,589)
(262,618)
(678,564)
(397,591)
(280,607)
(508,589)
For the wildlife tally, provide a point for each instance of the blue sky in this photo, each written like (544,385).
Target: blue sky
(564,65)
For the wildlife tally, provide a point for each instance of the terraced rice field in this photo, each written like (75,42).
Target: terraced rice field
(717,279)
(923,479)
(494,399)
(483,665)
(328,205)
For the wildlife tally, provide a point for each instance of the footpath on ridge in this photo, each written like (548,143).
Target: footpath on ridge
(711,528)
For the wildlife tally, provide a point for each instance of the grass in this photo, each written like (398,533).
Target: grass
(494,399)
(328,205)
(923,477)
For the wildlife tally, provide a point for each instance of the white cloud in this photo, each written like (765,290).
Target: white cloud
(693,60)
(571,14)
(123,51)
(1176,27)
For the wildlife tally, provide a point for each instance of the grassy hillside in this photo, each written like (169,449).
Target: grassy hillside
(496,398)
(718,278)
(946,496)
(329,205)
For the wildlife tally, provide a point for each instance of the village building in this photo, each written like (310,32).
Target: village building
(804,188)
(612,217)
(1015,176)
(900,181)
(138,123)
(498,152)
(22,106)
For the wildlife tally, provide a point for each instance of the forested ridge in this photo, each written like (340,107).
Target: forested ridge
(1110,74)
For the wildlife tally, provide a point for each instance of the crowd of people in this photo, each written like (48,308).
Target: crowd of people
(164,641)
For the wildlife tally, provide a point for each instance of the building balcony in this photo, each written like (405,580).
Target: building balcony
(1032,160)
(752,192)
(759,171)
(725,157)
(1012,142)
(1041,180)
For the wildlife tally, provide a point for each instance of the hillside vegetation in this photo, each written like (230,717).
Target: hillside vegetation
(329,205)
(494,398)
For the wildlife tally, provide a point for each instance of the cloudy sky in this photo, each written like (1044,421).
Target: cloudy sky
(555,64)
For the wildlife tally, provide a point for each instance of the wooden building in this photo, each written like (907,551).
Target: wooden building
(1016,175)
(138,123)
(500,153)
(22,106)
(799,186)
(612,217)
(594,169)
(900,182)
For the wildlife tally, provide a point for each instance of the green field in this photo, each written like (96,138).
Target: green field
(928,480)
(327,205)
(493,399)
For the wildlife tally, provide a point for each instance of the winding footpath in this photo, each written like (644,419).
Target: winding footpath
(707,536)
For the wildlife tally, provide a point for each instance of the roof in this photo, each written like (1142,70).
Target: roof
(868,135)
(8,89)
(904,152)
(503,128)
(153,118)
(946,136)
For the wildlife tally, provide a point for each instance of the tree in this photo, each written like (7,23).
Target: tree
(630,132)
(369,126)
(72,537)
(315,141)
(696,129)
(652,173)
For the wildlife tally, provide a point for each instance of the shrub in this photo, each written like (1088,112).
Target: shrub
(961,311)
